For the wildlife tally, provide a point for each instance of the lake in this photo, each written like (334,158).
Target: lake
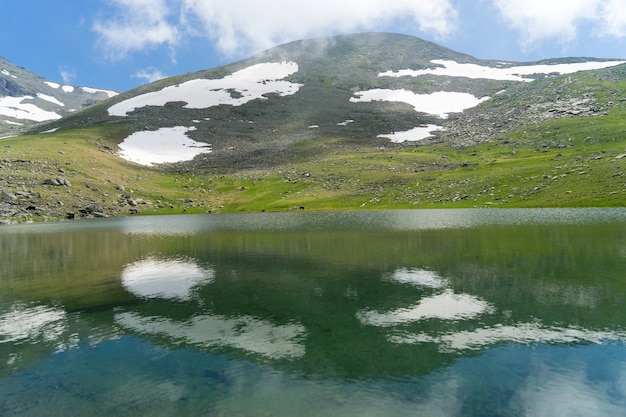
(373,313)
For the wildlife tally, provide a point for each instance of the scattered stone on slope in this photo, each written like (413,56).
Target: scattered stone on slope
(93,210)
(8,198)
(57,182)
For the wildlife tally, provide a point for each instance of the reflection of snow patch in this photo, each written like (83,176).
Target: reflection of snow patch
(22,322)
(170,279)
(520,333)
(168,144)
(237,89)
(418,277)
(242,332)
(455,69)
(413,135)
(444,306)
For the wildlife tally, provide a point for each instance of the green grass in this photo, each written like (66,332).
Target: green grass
(570,162)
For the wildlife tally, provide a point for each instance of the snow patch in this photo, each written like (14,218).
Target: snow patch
(12,123)
(50,99)
(68,88)
(51,84)
(16,108)
(440,103)
(168,144)
(7,73)
(455,69)
(413,135)
(236,89)
(90,90)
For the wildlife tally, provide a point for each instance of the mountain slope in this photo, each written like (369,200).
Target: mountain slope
(26,98)
(354,86)
(349,122)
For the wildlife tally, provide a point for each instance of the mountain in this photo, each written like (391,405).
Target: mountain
(354,86)
(27,98)
(370,120)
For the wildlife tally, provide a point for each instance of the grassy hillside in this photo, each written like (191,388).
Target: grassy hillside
(570,162)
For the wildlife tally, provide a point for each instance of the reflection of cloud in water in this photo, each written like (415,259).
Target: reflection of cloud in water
(418,277)
(242,332)
(171,279)
(23,322)
(566,392)
(523,333)
(444,306)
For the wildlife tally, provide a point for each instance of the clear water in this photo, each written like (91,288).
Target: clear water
(390,313)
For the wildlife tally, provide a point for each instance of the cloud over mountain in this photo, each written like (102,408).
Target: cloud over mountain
(244,26)
(240,27)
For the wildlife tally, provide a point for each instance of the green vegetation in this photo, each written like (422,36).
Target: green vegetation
(569,162)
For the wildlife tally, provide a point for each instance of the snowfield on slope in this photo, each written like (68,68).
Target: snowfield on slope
(254,82)
(236,89)
(455,69)
(168,144)
(18,108)
(442,103)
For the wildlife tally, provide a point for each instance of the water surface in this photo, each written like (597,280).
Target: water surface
(389,313)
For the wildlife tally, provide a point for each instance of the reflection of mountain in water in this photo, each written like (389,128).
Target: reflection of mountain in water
(354,303)
(449,307)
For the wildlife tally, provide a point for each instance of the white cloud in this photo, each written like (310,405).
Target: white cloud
(137,25)
(149,74)
(562,21)
(613,14)
(244,26)
(67,75)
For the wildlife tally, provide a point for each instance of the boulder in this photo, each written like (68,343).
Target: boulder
(8,198)
(93,208)
(57,182)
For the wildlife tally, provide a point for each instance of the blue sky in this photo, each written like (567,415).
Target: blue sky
(120,44)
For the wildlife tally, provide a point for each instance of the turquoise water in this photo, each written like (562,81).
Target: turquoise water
(402,313)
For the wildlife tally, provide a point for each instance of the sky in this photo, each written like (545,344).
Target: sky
(121,44)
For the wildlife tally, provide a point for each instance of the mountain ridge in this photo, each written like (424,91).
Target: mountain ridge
(27,99)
